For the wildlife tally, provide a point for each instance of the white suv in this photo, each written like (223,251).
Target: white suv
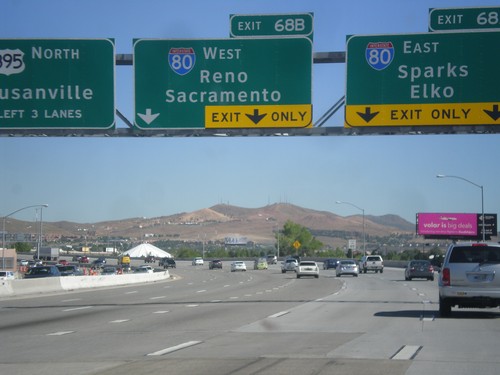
(470,277)
(371,263)
(289,264)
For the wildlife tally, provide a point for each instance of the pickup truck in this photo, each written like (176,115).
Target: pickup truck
(371,263)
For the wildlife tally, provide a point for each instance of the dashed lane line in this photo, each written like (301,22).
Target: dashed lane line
(175,348)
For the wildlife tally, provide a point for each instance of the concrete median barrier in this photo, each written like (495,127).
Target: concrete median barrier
(20,287)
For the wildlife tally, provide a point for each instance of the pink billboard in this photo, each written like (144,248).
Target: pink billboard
(439,224)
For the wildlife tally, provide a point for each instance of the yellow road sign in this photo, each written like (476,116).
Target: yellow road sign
(296,244)
(453,114)
(258,116)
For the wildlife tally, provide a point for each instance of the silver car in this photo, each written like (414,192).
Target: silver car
(470,277)
(347,267)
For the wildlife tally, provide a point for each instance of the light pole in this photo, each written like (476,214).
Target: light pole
(363,211)
(482,198)
(5,219)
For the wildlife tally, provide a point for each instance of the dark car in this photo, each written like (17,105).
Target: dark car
(330,263)
(42,271)
(68,270)
(215,263)
(419,269)
(167,263)
(109,270)
(99,262)
(150,259)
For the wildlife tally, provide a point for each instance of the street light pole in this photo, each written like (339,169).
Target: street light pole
(482,198)
(5,219)
(363,211)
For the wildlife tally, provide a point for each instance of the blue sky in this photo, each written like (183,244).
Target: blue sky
(95,179)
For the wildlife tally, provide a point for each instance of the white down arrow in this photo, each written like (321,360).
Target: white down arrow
(148,117)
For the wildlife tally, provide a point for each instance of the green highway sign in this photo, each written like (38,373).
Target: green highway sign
(423,79)
(57,83)
(223,83)
(449,19)
(248,26)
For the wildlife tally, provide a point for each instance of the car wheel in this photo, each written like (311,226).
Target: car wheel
(444,307)
(431,278)
(355,275)
(364,270)
(382,270)
(283,271)
(298,276)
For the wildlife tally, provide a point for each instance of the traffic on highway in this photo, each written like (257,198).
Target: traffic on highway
(204,320)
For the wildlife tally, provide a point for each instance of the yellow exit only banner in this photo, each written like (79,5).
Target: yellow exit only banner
(258,116)
(423,114)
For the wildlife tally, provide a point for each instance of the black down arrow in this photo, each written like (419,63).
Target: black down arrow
(367,115)
(494,114)
(255,118)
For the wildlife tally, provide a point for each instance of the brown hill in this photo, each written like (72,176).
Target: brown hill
(222,220)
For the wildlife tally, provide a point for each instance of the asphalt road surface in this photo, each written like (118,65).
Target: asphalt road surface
(255,322)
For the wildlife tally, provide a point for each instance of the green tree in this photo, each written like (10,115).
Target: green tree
(22,247)
(293,232)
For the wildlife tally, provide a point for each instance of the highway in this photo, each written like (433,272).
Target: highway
(255,322)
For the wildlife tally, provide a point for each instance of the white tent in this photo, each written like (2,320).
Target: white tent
(146,249)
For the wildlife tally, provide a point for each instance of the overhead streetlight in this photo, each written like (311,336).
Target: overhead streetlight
(482,198)
(363,211)
(12,213)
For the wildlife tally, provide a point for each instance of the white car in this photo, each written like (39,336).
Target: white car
(238,265)
(7,275)
(307,268)
(198,261)
(144,269)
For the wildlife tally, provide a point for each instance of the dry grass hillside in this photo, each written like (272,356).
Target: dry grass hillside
(222,220)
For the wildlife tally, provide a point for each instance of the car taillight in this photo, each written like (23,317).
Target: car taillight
(445,277)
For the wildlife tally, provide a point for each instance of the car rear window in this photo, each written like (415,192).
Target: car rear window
(475,254)
(373,258)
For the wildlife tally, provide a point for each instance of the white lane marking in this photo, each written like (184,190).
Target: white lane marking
(227,285)
(175,348)
(234,297)
(120,321)
(72,300)
(161,312)
(193,305)
(60,333)
(407,352)
(159,297)
(132,292)
(78,308)
(201,291)
(277,315)
(216,301)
